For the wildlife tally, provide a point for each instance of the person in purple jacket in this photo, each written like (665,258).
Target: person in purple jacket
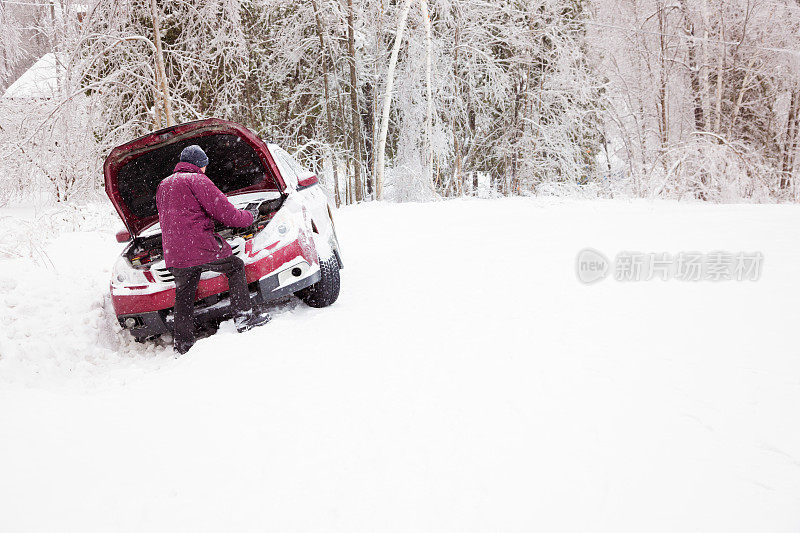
(188,203)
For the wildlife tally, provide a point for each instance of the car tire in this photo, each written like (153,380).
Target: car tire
(324,292)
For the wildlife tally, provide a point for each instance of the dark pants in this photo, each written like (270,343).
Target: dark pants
(186,280)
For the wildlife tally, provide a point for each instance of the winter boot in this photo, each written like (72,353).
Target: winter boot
(251,319)
(181,348)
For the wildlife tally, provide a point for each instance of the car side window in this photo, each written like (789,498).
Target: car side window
(282,159)
(300,171)
(290,169)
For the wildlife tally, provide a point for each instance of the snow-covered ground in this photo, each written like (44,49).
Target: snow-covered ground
(464,381)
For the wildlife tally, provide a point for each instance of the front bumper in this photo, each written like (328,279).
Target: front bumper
(278,275)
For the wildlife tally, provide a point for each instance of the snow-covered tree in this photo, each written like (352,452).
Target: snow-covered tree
(709,82)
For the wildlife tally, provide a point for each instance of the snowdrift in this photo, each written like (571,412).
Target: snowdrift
(464,381)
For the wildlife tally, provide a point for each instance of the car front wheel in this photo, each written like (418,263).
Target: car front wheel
(324,292)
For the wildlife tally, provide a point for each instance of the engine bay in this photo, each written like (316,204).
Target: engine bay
(146,250)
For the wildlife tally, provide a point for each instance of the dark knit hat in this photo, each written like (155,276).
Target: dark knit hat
(195,155)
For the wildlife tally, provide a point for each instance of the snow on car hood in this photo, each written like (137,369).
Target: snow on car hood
(239,162)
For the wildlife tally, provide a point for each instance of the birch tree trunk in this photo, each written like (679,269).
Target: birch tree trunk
(796,137)
(160,65)
(456,133)
(368,135)
(740,96)
(325,67)
(423,4)
(694,74)
(356,117)
(347,138)
(663,127)
(454,119)
(790,142)
(703,68)
(720,74)
(387,98)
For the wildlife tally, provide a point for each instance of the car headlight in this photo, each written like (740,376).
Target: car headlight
(280,229)
(123,273)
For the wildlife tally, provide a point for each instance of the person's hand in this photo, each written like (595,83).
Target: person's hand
(253,211)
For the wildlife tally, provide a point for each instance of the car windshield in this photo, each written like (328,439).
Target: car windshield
(233,165)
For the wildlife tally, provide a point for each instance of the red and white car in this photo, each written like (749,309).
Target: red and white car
(293,249)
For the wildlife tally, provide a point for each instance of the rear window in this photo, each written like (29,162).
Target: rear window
(233,165)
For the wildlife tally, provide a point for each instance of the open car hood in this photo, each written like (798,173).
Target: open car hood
(239,162)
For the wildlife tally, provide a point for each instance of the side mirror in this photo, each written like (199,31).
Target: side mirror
(123,235)
(307,182)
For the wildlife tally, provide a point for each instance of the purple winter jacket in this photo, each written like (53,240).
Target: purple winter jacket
(188,204)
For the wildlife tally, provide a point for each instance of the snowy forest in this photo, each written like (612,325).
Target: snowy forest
(688,99)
